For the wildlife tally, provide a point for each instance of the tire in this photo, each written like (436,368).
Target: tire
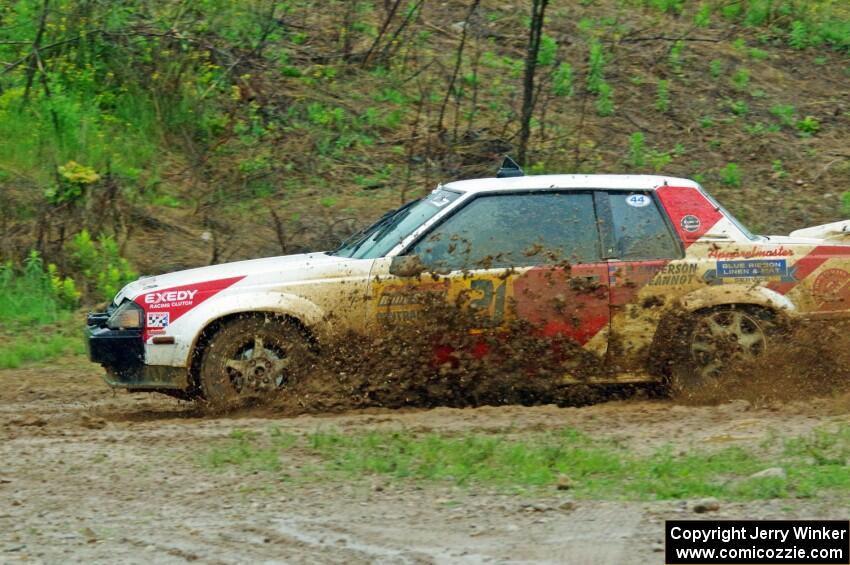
(711,341)
(248,360)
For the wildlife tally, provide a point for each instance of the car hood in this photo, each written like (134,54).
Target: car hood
(305,266)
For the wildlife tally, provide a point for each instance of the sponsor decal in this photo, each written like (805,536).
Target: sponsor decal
(675,274)
(164,306)
(405,302)
(752,253)
(832,286)
(808,264)
(171,298)
(690,223)
(638,200)
(752,270)
(157,320)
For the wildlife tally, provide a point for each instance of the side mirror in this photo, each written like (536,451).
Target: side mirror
(407,266)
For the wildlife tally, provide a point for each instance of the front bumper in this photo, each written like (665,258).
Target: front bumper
(122,354)
(115,348)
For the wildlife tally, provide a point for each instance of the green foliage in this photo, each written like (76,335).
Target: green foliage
(562,81)
(637,150)
(669,6)
(39,345)
(35,307)
(730,175)
(103,270)
(675,57)
(605,100)
(757,54)
(662,96)
(741,79)
(596,67)
(548,50)
(785,113)
(739,107)
(715,68)
(702,18)
(808,126)
(34,294)
(798,37)
(778,169)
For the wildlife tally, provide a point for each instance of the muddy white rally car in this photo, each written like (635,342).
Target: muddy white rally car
(603,260)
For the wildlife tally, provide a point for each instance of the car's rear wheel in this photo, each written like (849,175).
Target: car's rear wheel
(249,359)
(716,339)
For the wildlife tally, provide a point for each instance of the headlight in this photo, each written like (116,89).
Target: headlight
(128,315)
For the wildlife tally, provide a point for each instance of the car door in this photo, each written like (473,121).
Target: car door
(533,257)
(646,271)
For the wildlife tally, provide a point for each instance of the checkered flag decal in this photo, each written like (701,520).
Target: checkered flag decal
(157,319)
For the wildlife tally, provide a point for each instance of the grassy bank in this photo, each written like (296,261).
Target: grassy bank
(37,318)
(815,465)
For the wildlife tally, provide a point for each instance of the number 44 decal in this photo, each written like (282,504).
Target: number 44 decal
(638,200)
(492,298)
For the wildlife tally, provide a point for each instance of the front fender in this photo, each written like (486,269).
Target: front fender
(709,297)
(191,326)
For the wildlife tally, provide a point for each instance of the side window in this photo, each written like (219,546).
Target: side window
(640,232)
(514,230)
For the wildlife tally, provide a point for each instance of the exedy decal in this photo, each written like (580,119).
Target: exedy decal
(164,307)
(171,298)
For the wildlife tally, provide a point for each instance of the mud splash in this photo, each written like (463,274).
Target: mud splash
(447,355)
(803,361)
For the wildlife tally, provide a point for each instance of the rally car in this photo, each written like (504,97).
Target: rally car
(649,248)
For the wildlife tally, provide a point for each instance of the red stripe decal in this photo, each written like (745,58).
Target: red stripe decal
(689,210)
(164,306)
(808,264)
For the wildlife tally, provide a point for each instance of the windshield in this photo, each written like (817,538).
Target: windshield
(378,239)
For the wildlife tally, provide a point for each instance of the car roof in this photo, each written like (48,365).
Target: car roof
(530,182)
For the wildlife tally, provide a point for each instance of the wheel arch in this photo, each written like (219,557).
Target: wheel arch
(664,348)
(736,295)
(202,339)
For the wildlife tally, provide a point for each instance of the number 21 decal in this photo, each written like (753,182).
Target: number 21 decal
(490,297)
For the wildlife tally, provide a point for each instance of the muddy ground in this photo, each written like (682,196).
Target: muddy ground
(89,475)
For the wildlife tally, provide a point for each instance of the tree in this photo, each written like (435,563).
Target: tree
(538,11)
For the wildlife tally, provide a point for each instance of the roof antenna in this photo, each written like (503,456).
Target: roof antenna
(509,168)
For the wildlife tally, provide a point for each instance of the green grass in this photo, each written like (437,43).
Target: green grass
(39,345)
(36,323)
(599,469)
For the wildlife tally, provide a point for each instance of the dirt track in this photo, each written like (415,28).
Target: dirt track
(91,476)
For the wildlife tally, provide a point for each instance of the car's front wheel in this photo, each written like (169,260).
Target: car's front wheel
(250,359)
(716,339)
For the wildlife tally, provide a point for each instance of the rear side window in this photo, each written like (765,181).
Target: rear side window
(515,230)
(640,230)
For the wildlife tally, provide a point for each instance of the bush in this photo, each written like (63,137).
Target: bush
(662,96)
(605,102)
(33,294)
(637,150)
(730,175)
(596,68)
(808,126)
(103,269)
